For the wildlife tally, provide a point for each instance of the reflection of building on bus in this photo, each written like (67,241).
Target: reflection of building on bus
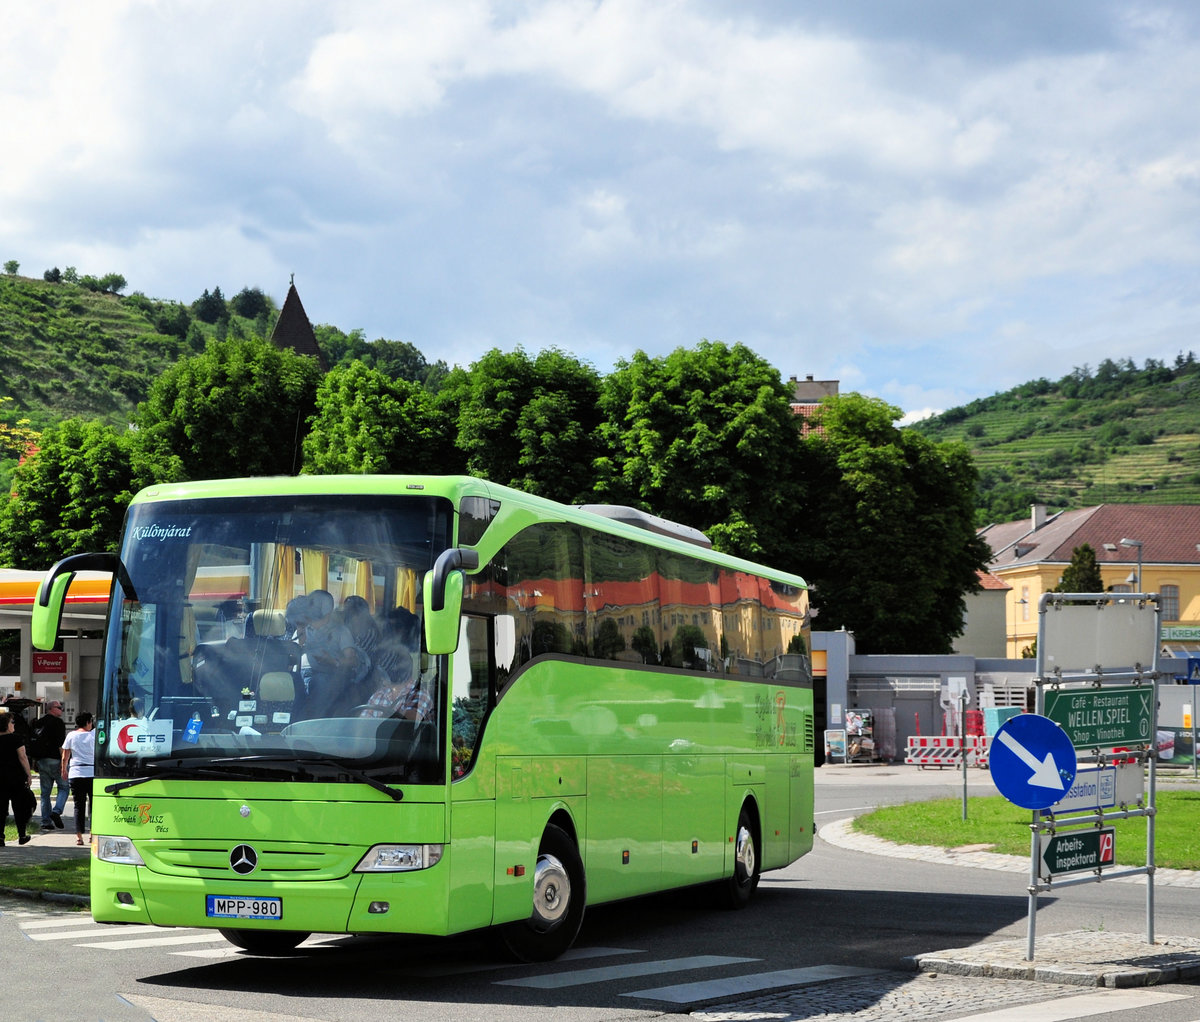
(591,594)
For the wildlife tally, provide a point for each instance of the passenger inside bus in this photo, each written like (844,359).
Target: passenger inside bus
(356,616)
(330,664)
(401,695)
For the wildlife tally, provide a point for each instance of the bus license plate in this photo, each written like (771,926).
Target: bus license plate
(221,907)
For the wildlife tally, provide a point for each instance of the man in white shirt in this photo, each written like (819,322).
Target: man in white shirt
(78,766)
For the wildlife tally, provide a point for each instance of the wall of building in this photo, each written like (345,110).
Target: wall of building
(985,626)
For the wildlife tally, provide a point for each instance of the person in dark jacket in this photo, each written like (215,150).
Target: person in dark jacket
(45,752)
(15,778)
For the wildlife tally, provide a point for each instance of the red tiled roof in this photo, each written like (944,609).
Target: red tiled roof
(1169,535)
(989,581)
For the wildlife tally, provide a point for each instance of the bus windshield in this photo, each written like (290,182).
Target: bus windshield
(275,638)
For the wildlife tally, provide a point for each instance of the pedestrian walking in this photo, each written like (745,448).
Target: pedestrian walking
(78,759)
(45,753)
(15,779)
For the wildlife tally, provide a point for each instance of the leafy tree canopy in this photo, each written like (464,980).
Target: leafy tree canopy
(369,422)
(210,307)
(70,497)
(1082,575)
(703,436)
(16,435)
(398,359)
(240,408)
(527,422)
(887,533)
(250,303)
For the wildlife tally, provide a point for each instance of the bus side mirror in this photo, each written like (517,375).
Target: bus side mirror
(52,593)
(442,596)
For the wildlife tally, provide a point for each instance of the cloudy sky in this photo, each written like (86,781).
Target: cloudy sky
(927,200)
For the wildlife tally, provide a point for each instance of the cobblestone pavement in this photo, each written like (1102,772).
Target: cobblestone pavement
(991,976)
(888,997)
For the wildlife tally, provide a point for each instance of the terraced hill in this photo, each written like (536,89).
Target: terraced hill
(67,350)
(1116,434)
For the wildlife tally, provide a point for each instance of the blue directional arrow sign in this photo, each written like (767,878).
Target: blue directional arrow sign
(1032,761)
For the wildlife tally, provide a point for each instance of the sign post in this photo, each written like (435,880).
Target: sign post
(1097,689)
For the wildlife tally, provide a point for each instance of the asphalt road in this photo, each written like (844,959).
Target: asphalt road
(832,910)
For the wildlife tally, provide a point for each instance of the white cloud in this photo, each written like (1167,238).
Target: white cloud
(927,208)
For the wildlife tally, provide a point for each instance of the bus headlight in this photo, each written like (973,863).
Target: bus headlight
(116,849)
(399,858)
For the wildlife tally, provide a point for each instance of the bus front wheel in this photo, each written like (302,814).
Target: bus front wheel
(746,867)
(559,898)
(264,942)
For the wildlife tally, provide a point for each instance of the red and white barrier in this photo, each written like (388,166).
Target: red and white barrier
(946,750)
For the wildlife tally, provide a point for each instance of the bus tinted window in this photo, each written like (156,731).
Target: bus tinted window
(539,576)
(622,600)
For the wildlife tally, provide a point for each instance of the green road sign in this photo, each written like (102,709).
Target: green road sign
(1077,851)
(1103,717)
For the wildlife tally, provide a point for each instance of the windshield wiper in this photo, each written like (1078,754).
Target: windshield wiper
(178,771)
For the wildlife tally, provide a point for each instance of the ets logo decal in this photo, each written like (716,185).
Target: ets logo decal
(138,737)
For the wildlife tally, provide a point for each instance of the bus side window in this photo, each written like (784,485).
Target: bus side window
(474,670)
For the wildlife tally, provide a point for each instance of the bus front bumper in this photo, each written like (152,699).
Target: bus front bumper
(409,902)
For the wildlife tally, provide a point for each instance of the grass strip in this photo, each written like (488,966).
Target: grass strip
(1004,828)
(60,876)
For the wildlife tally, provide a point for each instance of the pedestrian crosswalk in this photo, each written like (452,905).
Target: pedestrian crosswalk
(712,987)
(81,931)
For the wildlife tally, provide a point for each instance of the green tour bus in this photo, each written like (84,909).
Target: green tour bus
(429,705)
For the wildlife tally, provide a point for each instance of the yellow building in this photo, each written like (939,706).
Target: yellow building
(1160,543)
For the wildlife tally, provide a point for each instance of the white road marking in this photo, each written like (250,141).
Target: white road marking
(738,986)
(49,924)
(122,945)
(103,931)
(556,980)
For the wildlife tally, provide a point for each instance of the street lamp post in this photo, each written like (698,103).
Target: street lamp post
(1138,544)
(1017,603)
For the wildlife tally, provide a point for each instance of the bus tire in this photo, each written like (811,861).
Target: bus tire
(559,899)
(265,942)
(737,889)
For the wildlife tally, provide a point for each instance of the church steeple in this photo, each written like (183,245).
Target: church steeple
(294,331)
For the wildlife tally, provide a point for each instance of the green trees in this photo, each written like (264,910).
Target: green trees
(527,422)
(399,360)
(367,422)
(210,307)
(70,497)
(110,283)
(887,536)
(706,437)
(239,408)
(249,302)
(16,433)
(1082,575)
(878,519)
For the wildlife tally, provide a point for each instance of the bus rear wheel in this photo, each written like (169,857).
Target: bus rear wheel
(738,888)
(559,899)
(264,942)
